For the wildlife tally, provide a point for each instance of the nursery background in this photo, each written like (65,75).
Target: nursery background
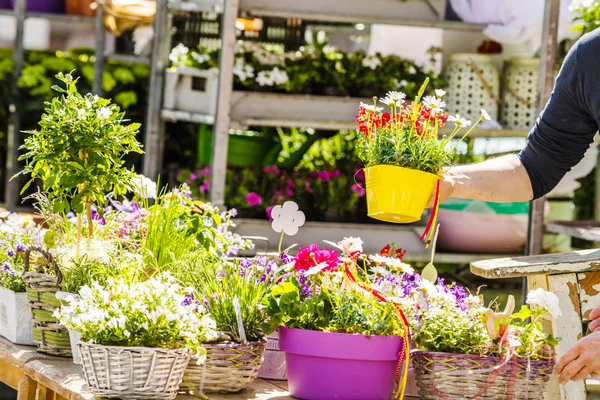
(230,144)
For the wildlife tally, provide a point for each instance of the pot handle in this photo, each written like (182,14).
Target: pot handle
(48,256)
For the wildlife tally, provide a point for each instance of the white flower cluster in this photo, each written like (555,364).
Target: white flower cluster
(393,264)
(275,77)
(243,70)
(154,313)
(539,299)
(371,62)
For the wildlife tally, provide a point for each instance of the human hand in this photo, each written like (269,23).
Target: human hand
(595,317)
(581,361)
(446,189)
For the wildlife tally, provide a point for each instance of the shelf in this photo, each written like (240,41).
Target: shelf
(391,12)
(586,230)
(196,6)
(128,58)
(72,19)
(174,115)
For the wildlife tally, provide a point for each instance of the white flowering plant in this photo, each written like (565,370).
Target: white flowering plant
(156,313)
(408,134)
(78,152)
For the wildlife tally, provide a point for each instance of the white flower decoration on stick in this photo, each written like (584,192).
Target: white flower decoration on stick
(539,298)
(287,219)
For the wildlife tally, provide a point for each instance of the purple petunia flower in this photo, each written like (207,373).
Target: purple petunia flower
(253,199)
(10,252)
(8,270)
(20,248)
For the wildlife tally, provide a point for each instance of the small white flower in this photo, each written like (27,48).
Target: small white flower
(242,70)
(126,333)
(371,62)
(178,52)
(460,122)
(379,270)
(145,187)
(403,83)
(545,301)
(396,96)
(103,113)
(428,287)
(81,113)
(279,77)
(351,245)
(264,78)
(200,58)
(389,102)
(485,116)
(439,93)
(370,107)
(316,269)
(434,104)
(412,70)
(287,218)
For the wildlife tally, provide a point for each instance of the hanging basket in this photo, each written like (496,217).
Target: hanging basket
(396,194)
(444,376)
(520,91)
(132,372)
(50,335)
(228,368)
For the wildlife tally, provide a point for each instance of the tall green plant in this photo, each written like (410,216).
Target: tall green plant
(79,151)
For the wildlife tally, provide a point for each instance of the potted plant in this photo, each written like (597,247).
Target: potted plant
(79,151)
(233,293)
(15,314)
(137,337)
(404,157)
(465,350)
(341,339)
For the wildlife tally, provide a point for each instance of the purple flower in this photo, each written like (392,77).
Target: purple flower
(305,291)
(233,212)
(8,270)
(10,252)
(324,176)
(268,211)
(193,176)
(289,192)
(97,217)
(285,258)
(253,199)
(205,171)
(336,173)
(20,248)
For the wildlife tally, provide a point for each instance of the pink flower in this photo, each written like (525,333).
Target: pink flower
(356,188)
(335,173)
(307,187)
(193,176)
(253,199)
(205,171)
(269,209)
(290,183)
(205,187)
(271,170)
(289,192)
(324,176)
(311,256)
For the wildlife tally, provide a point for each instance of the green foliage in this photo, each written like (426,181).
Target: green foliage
(588,13)
(78,150)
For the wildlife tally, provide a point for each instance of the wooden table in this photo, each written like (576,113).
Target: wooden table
(36,376)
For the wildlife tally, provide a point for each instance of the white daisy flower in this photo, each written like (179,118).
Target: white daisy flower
(434,104)
(389,102)
(396,96)
(485,115)
(439,93)
(381,271)
(370,107)
(460,122)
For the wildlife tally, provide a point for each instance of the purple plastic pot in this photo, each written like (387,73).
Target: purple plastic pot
(325,366)
(44,6)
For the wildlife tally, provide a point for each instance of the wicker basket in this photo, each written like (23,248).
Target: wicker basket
(461,376)
(50,335)
(132,372)
(520,91)
(229,368)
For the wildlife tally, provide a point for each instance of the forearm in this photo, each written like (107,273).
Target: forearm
(501,180)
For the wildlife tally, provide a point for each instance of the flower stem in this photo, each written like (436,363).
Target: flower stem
(281,241)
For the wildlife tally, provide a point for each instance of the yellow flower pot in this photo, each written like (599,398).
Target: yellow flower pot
(397,194)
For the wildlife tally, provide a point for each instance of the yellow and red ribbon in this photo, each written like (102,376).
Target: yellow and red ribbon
(404,355)
(428,233)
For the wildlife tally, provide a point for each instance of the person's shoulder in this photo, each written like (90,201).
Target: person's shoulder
(588,46)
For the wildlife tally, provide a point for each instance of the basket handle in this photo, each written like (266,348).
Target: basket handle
(48,256)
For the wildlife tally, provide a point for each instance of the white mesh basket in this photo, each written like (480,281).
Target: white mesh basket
(473,84)
(519,93)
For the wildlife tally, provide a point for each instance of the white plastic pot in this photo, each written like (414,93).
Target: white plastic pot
(191,90)
(15,317)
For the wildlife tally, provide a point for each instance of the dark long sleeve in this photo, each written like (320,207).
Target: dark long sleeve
(567,125)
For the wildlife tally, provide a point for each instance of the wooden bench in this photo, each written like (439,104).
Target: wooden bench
(575,279)
(36,376)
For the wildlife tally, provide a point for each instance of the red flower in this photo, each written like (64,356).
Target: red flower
(385,118)
(386,251)
(400,254)
(311,256)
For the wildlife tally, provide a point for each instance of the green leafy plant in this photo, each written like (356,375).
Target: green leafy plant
(588,13)
(79,149)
